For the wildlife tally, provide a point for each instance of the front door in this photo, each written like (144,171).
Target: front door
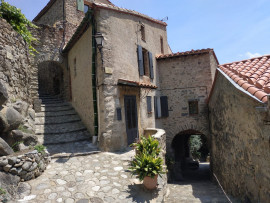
(131,119)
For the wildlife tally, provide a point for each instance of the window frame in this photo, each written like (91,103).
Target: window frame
(143,36)
(190,111)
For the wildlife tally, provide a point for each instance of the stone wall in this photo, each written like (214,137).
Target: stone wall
(240,142)
(183,79)
(27,166)
(15,67)
(122,35)
(80,68)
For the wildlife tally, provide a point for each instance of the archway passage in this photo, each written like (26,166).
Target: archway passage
(191,156)
(50,78)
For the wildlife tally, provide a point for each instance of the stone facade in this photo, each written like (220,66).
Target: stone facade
(240,141)
(122,36)
(15,66)
(183,79)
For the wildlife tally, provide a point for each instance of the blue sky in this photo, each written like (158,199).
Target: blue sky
(236,29)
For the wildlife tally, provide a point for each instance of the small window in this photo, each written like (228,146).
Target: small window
(143,32)
(161,45)
(193,107)
(75,68)
(145,62)
(86,8)
(149,104)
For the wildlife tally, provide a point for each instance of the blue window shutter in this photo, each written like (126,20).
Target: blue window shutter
(164,106)
(140,60)
(149,104)
(119,114)
(80,5)
(151,68)
(155,106)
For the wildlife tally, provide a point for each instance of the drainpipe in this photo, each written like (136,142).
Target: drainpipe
(94,81)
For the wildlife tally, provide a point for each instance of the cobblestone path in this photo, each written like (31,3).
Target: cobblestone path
(197,187)
(96,178)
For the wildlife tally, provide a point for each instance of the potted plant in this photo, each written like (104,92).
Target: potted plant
(147,165)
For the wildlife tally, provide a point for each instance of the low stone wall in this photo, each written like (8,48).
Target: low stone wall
(160,135)
(27,166)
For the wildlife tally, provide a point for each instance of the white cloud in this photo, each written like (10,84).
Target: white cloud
(251,55)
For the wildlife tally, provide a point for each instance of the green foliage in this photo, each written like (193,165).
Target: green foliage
(24,129)
(195,143)
(146,165)
(40,148)
(19,23)
(147,146)
(15,146)
(147,162)
(2,191)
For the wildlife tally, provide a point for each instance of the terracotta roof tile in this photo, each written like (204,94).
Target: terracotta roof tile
(136,84)
(253,75)
(192,52)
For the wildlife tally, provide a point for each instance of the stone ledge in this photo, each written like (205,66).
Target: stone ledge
(26,166)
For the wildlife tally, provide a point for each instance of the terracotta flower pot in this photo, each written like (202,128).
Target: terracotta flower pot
(150,183)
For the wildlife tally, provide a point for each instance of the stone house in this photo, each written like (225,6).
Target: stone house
(132,82)
(239,117)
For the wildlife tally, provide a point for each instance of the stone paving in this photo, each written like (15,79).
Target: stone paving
(96,178)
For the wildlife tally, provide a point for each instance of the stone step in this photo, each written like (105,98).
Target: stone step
(57,120)
(55,108)
(55,104)
(55,114)
(59,128)
(64,138)
(52,102)
(71,148)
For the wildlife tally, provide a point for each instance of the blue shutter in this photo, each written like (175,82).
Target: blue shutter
(164,106)
(119,114)
(140,60)
(149,104)
(80,5)
(151,65)
(155,106)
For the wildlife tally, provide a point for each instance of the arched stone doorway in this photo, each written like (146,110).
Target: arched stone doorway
(50,78)
(190,153)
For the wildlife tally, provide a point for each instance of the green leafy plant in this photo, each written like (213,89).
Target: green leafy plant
(24,129)
(15,146)
(146,165)
(40,148)
(2,191)
(195,144)
(147,146)
(19,23)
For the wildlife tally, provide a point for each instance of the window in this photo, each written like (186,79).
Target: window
(193,107)
(145,62)
(143,32)
(80,5)
(161,107)
(86,8)
(75,68)
(161,45)
(149,104)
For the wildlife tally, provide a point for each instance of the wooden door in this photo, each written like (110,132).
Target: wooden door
(131,119)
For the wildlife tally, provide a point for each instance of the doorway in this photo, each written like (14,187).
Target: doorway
(131,118)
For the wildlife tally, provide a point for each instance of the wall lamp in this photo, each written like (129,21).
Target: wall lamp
(99,40)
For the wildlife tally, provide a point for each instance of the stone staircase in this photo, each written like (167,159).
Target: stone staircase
(60,129)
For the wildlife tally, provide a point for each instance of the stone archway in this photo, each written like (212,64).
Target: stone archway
(184,157)
(50,78)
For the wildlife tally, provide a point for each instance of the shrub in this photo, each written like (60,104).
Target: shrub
(40,148)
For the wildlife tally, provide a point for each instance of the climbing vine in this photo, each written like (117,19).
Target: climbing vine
(19,23)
